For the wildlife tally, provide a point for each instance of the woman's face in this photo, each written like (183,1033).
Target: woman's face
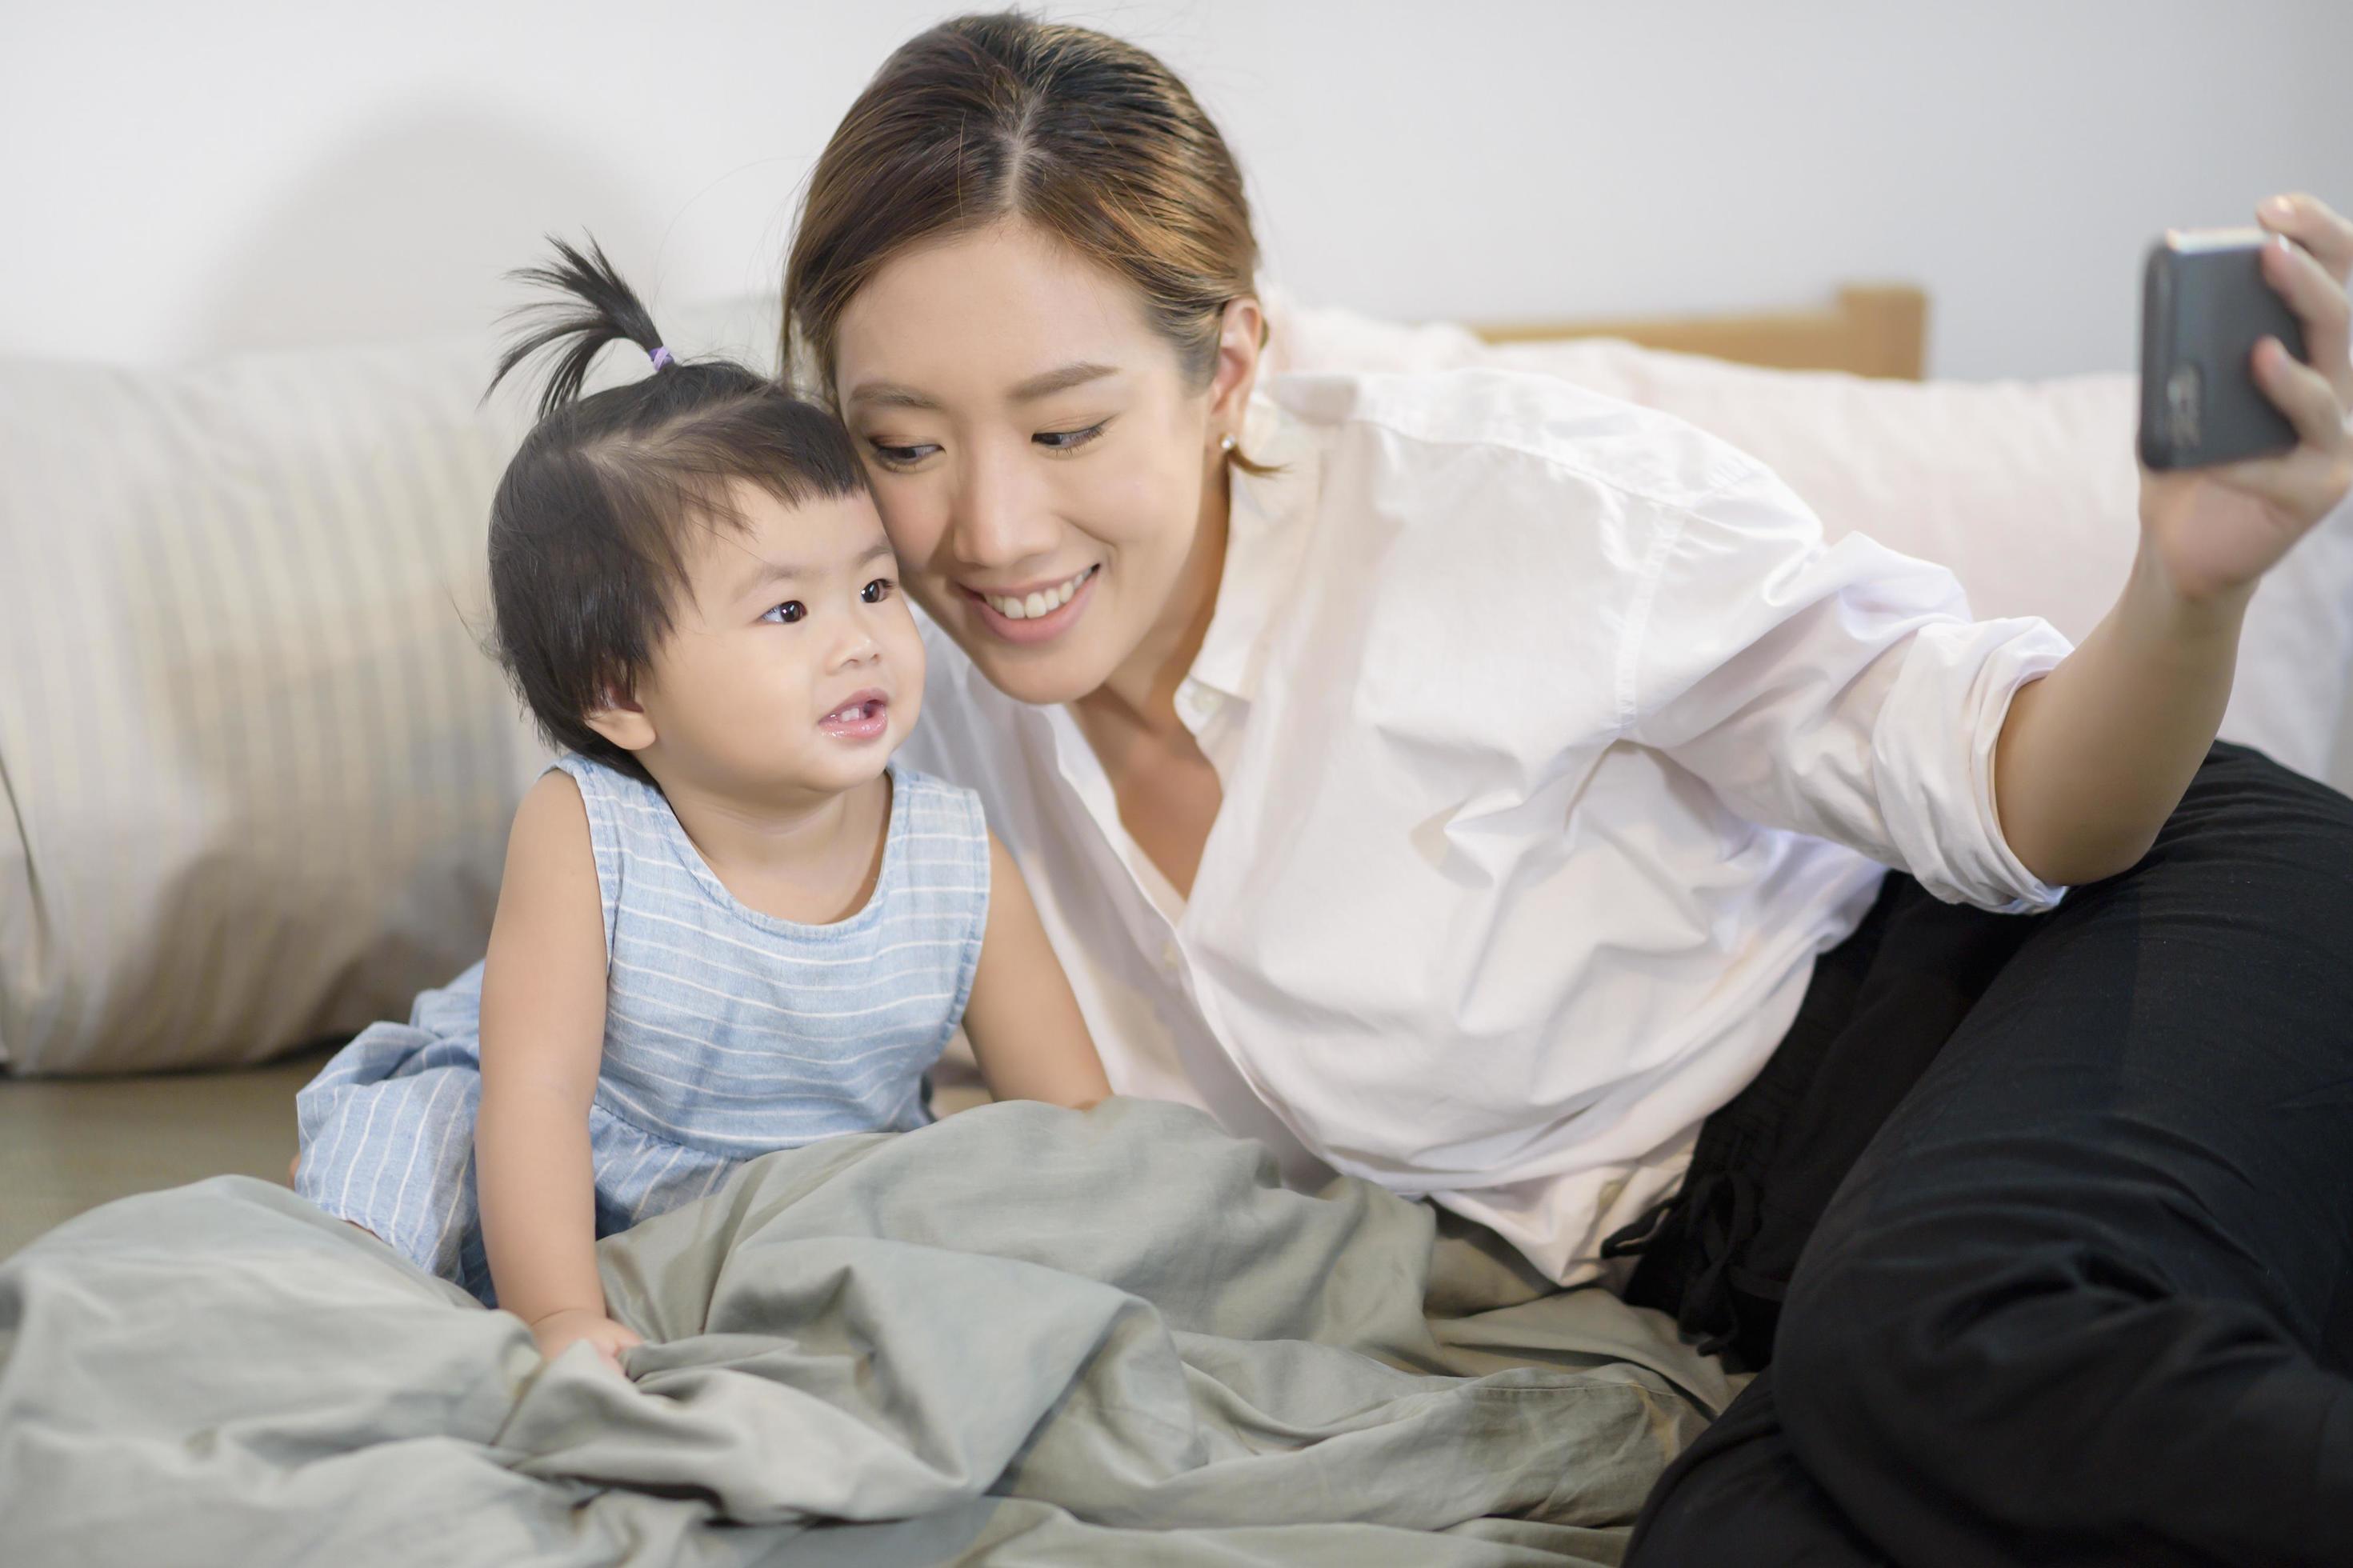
(1048,475)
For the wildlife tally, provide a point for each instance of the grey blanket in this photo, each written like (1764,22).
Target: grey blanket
(1021,1336)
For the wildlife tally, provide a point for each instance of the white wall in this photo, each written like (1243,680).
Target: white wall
(180,179)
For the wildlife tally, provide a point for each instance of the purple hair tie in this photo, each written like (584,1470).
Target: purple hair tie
(661,358)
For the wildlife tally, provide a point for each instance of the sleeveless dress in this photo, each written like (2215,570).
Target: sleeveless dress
(728,1034)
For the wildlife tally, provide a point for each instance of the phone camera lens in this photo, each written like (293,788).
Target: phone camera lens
(2183,401)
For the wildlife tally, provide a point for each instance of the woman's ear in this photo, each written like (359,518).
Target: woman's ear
(621,721)
(1242,335)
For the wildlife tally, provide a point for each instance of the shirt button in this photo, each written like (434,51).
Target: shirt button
(1169,957)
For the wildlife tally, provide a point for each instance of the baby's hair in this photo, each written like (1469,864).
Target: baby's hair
(589,525)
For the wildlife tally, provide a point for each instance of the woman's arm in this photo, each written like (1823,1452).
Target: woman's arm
(1023,1020)
(542,1042)
(2094,757)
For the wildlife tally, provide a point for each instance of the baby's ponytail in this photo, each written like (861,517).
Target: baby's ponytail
(597,309)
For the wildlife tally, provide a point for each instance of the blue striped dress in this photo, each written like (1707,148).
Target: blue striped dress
(728,1032)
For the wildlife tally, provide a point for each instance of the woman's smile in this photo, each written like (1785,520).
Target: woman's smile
(1034,615)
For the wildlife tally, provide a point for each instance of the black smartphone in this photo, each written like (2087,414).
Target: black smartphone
(2204,306)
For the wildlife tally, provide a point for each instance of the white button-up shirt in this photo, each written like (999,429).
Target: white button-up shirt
(1555,744)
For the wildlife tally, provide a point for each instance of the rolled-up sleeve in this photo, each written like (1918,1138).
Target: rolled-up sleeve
(1840,690)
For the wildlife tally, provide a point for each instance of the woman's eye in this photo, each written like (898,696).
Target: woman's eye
(1068,440)
(874,593)
(899,457)
(786,614)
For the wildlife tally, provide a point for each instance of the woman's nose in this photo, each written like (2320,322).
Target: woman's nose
(1000,518)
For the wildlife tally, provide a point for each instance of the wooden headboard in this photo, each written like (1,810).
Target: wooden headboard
(1872,330)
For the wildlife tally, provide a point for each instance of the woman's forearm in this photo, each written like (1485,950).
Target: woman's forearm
(538,1196)
(2094,756)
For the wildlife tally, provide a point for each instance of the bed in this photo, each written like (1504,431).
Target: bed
(1020,1336)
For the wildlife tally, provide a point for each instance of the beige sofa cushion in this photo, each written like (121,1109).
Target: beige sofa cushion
(258,774)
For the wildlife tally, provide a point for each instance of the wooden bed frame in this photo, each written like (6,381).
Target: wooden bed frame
(1870,330)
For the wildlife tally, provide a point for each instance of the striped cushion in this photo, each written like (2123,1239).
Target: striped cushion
(255,771)
(259,773)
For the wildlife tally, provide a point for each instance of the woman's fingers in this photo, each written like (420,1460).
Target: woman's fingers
(2301,392)
(2305,484)
(2319,301)
(2314,225)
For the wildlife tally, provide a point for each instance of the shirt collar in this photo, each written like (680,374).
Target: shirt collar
(1268,520)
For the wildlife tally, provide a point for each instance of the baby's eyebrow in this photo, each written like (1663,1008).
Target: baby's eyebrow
(764,571)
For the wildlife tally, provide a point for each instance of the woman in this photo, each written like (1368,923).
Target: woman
(1474,785)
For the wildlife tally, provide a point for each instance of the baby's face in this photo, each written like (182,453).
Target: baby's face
(793,667)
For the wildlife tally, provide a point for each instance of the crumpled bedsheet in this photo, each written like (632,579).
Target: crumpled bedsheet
(1020,1336)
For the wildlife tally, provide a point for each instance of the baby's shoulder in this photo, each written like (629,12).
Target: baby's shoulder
(595,782)
(930,806)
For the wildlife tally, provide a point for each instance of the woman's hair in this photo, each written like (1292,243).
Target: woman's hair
(589,524)
(986,118)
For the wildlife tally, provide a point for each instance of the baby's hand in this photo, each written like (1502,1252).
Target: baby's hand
(557,1331)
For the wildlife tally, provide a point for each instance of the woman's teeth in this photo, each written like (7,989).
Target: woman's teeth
(1044,602)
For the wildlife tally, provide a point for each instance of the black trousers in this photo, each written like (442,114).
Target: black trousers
(2041,1227)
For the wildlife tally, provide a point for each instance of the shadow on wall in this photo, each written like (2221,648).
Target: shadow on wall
(409,228)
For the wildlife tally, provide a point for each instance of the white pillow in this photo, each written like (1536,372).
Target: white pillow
(2027,490)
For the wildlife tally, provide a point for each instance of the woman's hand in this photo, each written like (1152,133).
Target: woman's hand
(559,1329)
(2211,534)
(2094,757)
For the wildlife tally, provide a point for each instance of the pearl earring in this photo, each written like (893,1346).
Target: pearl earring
(1225,443)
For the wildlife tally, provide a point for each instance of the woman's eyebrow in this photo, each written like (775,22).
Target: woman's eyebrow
(889,395)
(1055,381)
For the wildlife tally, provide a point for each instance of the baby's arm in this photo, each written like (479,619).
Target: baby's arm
(1022,1019)
(542,1041)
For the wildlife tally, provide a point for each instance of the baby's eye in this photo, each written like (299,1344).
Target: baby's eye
(786,614)
(1068,440)
(876,591)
